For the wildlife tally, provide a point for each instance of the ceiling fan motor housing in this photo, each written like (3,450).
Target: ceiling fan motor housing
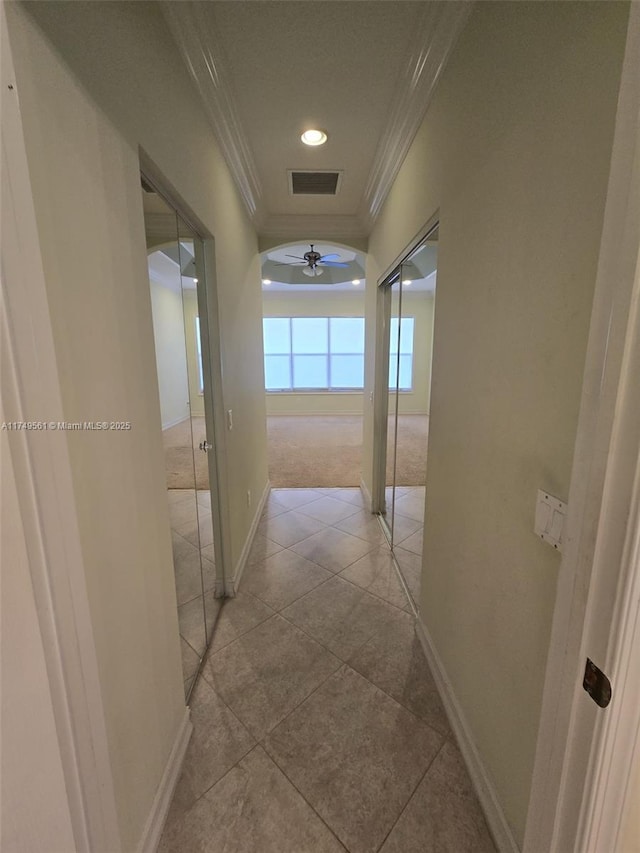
(312,257)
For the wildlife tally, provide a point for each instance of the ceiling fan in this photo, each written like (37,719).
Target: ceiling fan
(313,260)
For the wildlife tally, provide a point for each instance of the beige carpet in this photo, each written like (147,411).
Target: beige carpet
(319,451)
(179,456)
(304,452)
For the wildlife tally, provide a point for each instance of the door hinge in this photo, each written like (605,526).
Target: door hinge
(596,683)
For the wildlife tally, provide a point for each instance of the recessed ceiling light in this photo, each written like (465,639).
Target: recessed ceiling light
(356,281)
(314,137)
(407,281)
(195,281)
(266,281)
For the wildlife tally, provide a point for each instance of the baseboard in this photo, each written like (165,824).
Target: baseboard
(175,423)
(162,800)
(496,820)
(232,586)
(366,494)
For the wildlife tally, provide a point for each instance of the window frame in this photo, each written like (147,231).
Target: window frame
(328,389)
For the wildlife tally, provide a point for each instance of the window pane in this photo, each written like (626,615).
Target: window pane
(199,351)
(347,334)
(347,371)
(276,372)
(310,371)
(393,336)
(406,363)
(406,335)
(277,336)
(393,371)
(310,334)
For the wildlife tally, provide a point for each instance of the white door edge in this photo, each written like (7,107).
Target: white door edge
(599,569)
(47,501)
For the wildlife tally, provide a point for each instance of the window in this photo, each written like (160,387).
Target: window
(323,353)
(403,367)
(199,357)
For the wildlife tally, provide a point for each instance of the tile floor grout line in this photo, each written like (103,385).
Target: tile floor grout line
(342,666)
(345,664)
(341,663)
(313,809)
(373,594)
(235,716)
(302,701)
(210,652)
(412,794)
(213,784)
(320,643)
(344,568)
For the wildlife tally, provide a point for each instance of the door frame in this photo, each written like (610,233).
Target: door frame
(585,755)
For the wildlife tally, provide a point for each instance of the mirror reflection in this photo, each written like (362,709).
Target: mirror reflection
(174,262)
(411,308)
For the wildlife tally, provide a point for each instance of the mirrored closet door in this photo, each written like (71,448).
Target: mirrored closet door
(177,278)
(407,303)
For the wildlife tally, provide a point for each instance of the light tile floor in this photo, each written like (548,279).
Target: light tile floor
(407,534)
(192,538)
(317,723)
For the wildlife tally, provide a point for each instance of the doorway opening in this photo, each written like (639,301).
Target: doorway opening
(313,324)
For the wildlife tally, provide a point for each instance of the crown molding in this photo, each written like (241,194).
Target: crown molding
(319,226)
(434,39)
(204,57)
(203,54)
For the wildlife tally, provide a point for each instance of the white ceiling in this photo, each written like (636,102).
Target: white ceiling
(293,66)
(285,273)
(363,70)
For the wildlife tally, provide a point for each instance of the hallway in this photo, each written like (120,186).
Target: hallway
(317,724)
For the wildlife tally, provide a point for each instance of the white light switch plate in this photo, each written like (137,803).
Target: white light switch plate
(549,524)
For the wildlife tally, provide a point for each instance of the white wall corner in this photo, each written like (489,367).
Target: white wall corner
(232,584)
(162,800)
(494,815)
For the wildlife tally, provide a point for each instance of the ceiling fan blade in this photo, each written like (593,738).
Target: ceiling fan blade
(332,264)
(291,263)
(295,256)
(332,255)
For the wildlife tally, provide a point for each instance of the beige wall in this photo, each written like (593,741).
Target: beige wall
(420,307)
(630,831)
(171,359)
(84,125)
(190,314)
(35,811)
(346,304)
(513,162)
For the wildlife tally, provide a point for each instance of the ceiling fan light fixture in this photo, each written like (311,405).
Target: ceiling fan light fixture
(312,271)
(314,137)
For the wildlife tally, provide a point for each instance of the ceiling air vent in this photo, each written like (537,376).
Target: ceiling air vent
(314,183)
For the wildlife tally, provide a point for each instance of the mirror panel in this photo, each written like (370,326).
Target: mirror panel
(203,447)
(409,309)
(174,278)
